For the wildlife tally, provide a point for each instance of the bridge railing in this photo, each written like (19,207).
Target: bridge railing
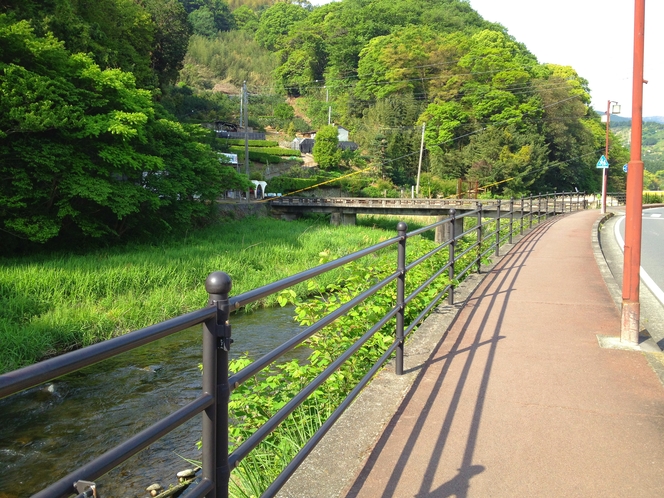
(217,385)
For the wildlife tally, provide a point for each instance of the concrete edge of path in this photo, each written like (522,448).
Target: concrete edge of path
(330,469)
(649,346)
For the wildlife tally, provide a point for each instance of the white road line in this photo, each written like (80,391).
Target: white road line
(659,294)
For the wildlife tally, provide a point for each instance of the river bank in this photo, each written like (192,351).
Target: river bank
(53,304)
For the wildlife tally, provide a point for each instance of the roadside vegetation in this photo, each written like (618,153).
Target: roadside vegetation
(54,303)
(260,398)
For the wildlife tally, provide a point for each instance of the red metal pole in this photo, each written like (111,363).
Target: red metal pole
(631,310)
(606,155)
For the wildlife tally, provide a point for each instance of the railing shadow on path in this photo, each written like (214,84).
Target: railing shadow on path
(500,281)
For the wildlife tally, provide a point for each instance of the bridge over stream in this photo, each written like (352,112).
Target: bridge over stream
(344,210)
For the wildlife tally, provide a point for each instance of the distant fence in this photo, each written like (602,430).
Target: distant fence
(513,217)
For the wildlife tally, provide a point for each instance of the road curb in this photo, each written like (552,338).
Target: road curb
(649,347)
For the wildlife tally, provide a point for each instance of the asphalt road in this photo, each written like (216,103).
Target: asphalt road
(652,249)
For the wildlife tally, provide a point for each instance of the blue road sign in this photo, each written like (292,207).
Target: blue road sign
(625,168)
(602,163)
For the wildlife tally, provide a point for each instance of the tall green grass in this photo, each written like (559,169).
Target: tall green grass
(653,197)
(55,304)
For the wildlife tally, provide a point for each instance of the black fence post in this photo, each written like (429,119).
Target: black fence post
(555,198)
(401,287)
(450,295)
(498,228)
(539,207)
(479,237)
(521,220)
(530,212)
(511,218)
(216,343)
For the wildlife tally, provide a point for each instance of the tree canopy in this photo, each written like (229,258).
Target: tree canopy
(83,151)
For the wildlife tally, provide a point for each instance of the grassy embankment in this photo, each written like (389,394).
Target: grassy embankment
(62,302)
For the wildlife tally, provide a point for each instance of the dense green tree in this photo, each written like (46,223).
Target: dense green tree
(413,60)
(245,19)
(170,40)
(502,153)
(83,152)
(284,112)
(202,22)
(303,58)
(146,37)
(326,149)
(275,23)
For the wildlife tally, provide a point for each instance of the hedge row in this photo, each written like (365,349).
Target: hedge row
(252,143)
(276,151)
(261,157)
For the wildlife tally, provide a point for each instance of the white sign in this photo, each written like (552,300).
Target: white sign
(602,163)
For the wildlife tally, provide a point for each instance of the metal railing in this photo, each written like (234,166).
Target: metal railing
(217,385)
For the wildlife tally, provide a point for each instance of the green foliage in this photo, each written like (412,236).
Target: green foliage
(260,398)
(284,112)
(653,197)
(204,12)
(233,56)
(148,38)
(85,153)
(188,104)
(261,157)
(60,301)
(326,149)
(172,32)
(432,186)
(303,58)
(653,143)
(381,188)
(252,143)
(286,184)
(202,22)
(275,22)
(650,181)
(409,61)
(245,19)
(276,151)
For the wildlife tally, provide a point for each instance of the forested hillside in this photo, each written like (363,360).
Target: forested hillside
(100,103)
(385,68)
(652,151)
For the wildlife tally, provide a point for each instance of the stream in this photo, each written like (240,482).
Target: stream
(48,431)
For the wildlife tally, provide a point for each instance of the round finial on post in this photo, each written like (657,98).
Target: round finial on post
(452,212)
(218,283)
(402,227)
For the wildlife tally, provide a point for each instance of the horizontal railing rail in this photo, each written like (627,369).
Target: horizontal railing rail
(468,234)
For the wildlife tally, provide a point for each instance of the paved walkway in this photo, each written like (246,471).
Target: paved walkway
(518,400)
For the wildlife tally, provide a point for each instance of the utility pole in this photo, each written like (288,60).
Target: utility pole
(419,166)
(605,171)
(329,115)
(246,132)
(241,105)
(631,307)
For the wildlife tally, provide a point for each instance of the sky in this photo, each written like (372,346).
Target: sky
(595,37)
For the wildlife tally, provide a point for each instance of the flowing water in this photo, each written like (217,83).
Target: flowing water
(48,431)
